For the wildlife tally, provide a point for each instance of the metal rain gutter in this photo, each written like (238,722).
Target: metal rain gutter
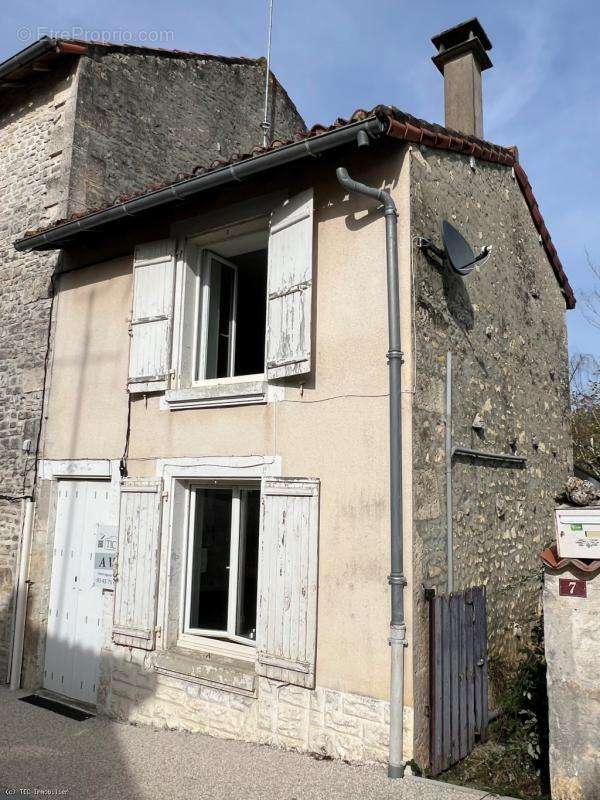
(55,238)
(24,57)
(397,581)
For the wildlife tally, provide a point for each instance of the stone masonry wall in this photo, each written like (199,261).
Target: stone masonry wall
(225,698)
(35,135)
(322,721)
(505,326)
(94,128)
(142,119)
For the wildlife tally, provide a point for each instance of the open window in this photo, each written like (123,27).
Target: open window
(243,316)
(243,566)
(230,309)
(222,562)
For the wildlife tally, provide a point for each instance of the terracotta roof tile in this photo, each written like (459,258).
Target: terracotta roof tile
(551,559)
(401,126)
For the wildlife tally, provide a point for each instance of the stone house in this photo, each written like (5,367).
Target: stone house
(80,124)
(217,430)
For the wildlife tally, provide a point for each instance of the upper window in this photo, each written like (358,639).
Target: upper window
(230,313)
(222,562)
(219,314)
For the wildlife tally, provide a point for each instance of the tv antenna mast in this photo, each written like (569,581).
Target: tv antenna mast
(265,124)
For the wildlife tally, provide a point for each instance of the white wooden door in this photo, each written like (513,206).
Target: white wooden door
(85,542)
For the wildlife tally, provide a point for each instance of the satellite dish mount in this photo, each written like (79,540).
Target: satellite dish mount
(457,251)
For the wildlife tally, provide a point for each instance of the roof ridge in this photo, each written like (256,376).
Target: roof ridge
(159,51)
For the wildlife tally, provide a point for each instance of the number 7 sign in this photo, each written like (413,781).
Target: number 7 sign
(570,587)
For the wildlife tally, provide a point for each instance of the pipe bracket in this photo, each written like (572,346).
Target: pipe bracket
(398,635)
(398,580)
(395,354)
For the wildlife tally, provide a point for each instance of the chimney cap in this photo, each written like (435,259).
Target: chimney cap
(468,36)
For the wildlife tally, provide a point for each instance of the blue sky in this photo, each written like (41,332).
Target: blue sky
(334,56)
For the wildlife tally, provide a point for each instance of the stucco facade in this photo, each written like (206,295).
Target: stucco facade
(85,130)
(332,424)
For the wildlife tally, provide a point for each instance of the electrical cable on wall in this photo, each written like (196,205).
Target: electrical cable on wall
(123,460)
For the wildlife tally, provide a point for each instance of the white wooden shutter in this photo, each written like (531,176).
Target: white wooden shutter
(152,316)
(290,287)
(136,579)
(287,580)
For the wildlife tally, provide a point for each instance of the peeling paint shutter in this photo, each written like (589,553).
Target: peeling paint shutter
(287,582)
(290,287)
(136,584)
(151,320)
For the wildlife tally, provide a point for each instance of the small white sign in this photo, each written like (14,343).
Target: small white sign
(107,541)
(578,532)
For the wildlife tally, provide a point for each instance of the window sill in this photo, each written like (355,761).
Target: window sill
(218,393)
(219,672)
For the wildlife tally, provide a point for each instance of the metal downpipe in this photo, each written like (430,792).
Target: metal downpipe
(397,581)
(449,509)
(21,598)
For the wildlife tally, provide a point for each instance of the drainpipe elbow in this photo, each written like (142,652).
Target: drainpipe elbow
(384,197)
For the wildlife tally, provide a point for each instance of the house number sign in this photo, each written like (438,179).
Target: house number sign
(572,588)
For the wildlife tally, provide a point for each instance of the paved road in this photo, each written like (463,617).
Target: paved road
(41,750)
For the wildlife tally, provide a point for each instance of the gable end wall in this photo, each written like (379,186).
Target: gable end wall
(505,326)
(142,119)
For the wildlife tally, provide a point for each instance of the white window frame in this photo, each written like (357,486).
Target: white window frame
(188,390)
(203,290)
(177,474)
(226,642)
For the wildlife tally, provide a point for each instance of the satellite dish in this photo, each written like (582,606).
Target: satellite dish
(460,256)
(457,251)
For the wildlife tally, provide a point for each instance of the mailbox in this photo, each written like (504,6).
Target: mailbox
(578,532)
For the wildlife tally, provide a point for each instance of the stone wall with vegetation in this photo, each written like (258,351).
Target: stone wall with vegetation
(505,327)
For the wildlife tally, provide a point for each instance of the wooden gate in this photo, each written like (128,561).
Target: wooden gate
(458,675)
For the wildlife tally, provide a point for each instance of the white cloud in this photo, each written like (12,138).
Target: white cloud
(521,73)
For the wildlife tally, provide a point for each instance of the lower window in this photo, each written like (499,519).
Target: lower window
(222,562)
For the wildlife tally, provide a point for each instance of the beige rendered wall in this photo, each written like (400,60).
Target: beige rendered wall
(335,427)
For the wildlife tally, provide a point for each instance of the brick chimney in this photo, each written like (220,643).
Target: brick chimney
(461,59)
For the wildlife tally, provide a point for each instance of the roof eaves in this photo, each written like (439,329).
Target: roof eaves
(392,122)
(27,55)
(544,235)
(219,173)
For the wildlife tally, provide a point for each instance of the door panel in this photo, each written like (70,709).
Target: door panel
(84,541)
